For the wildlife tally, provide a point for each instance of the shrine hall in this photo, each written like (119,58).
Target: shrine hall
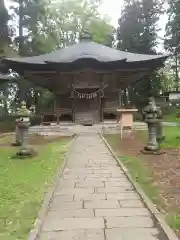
(87,78)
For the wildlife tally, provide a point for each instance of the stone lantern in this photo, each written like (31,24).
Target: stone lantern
(159,128)
(23,123)
(2,98)
(150,113)
(17,132)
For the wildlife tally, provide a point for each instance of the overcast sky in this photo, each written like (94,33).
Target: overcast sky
(112,8)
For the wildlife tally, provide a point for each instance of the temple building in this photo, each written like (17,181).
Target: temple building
(86,77)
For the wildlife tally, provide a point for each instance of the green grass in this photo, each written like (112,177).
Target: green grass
(143,176)
(171,117)
(138,170)
(171,134)
(173,219)
(22,187)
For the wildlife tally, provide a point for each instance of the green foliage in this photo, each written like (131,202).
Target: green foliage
(7,124)
(172,36)
(35,120)
(173,220)
(170,114)
(178,118)
(172,41)
(45,26)
(58,24)
(4,31)
(71,17)
(137,32)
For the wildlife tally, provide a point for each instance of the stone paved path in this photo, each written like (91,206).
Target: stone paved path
(95,201)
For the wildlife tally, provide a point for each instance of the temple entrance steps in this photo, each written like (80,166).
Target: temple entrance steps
(67,129)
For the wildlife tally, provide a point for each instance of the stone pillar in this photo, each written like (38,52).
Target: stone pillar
(152,144)
(18,141)
(17,135)
(159,128)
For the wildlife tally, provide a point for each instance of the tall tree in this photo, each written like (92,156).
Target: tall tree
(137,32)
(30,14)
(172,37)
(44,26)
(71,17)
(4,31)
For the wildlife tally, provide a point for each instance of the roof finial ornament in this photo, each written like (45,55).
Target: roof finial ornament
(85,36)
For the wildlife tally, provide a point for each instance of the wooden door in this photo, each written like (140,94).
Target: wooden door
(87,111)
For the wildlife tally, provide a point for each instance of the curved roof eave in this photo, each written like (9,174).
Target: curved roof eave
(46,63)
(85,50)
(5,77)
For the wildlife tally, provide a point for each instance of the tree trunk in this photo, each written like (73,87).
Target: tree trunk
(20,27)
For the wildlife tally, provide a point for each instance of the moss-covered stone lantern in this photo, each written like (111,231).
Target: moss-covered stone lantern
(159,128)
(151,114)
(22,124)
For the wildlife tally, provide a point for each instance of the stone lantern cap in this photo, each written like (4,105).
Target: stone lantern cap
(23,111)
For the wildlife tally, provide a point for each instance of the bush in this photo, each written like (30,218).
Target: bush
(7,123)
(138,116)
(35,120)
(178,116)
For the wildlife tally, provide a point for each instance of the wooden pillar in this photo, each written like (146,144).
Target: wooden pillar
(120,103)
(73,101)
(127,96)
(42,118)
(120,98)
(57,117)
(101,101)
(73,109)
(55,112)
(102,109)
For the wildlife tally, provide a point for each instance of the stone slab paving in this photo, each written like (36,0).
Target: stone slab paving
(94,200)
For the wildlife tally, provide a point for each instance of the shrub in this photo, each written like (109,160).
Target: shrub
(35,120)
(7,123)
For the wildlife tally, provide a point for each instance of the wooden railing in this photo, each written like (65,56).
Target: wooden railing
(57,113)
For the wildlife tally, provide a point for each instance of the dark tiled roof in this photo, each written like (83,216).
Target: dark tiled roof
(86,49)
